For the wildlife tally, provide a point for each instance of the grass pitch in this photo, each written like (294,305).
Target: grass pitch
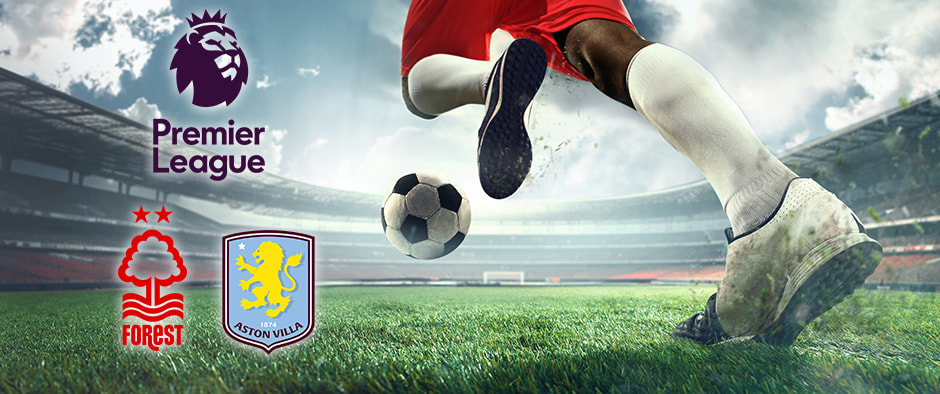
(381,339)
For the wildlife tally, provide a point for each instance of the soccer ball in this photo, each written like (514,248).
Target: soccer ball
(426,215)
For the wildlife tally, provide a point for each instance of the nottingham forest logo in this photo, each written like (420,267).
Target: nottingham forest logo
(152,262)
(209,58)
(267,288)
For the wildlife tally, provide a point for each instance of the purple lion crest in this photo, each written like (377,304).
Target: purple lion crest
(209,58)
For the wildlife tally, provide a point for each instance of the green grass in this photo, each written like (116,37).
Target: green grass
(585,339)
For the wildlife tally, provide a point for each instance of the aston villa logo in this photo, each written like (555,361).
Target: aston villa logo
(267,286)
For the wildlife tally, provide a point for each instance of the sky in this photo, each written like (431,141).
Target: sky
(324,81)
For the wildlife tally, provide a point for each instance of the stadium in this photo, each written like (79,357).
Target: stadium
(614,275)
(72,174)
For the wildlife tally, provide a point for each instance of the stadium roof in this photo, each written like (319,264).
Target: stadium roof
(43,125)
(874,150)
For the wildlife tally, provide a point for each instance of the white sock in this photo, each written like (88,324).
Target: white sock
(440,83)
(684,102)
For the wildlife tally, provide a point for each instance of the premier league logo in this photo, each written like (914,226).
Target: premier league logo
(209,58)
(267,288)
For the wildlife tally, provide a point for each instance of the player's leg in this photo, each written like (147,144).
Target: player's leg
(440,83)
(504,151)
(445,53)
(684,102)
(795,250)
(601,50)
(445,49)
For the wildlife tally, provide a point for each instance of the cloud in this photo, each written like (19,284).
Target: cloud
(386,18)
(370,155)
(270,147)
(405,150)
(587,145)
(303,72)
(264,82)
(902,65)
(783,62)
(93,43)
(316,145)
(141,111)
(798,139)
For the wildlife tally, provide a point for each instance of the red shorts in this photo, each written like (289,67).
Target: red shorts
(463,27)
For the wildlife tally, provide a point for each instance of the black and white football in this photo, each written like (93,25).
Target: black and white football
(426,215)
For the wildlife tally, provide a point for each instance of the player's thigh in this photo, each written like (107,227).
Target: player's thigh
(601,50)
(459,28)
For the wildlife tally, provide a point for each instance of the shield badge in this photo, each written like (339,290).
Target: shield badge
(267,288)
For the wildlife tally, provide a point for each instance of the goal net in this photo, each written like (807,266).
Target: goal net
(508,277)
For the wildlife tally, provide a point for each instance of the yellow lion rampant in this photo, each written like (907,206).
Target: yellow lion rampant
(269,256)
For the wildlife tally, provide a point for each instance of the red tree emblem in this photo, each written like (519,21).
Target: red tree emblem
(151,306)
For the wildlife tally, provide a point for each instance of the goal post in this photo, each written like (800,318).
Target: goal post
(509,277)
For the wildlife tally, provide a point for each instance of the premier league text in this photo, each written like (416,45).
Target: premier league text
(217,166)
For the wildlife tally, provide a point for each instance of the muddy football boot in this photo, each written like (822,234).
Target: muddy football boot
(504,152)
(702,327)
(805,259)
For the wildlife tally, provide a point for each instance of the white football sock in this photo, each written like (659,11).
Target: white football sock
(684,102)
(440,83)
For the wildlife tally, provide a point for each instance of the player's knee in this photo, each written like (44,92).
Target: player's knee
(612,83)
(602,51)
(406,96)
(608,74)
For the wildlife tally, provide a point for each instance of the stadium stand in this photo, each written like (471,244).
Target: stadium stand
(71,173)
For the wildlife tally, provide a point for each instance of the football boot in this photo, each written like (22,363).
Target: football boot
(703,327)
(806,258)
(504,151)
